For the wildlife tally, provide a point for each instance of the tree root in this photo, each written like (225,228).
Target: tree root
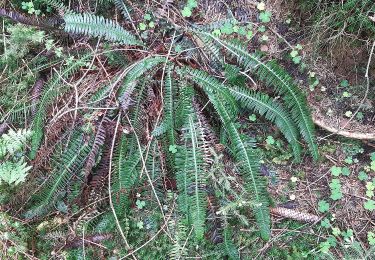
(348,134)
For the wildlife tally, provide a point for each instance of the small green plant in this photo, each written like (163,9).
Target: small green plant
(270,140)
(253,117)
(323,206)
(313,80)
(371,238)
(325,223)
(369,205)
(295,55)
(344,83)
(336,171)
(13,168)
(30,8)
(362,176)
(148,22)
(348,113)
(346,171)
(265,16)
(190,5)
(370,189)
(336,192)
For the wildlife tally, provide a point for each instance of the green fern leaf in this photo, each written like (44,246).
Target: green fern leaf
(97,26)
(167,126)
(51,92)
(272,111)
(135,72)
(58,5)
(71,163)
(230,248)
(243,150)
(191,177)
(273,75)
(124,9)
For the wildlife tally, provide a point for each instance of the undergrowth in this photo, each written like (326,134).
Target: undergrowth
(135,143)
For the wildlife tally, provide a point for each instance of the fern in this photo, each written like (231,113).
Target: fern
(13,141)
(58,5)
(168,123)
(13,168)
(230,248)
(127,162)
(13,173)
(191,177)
(179,249)
(124,9)
(243,149)
(136,71)
(97,26)
(272,111)
(275,76)
(50,92)
(53,189)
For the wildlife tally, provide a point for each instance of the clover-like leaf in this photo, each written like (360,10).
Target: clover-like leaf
(186,12)
(336,171)
(265,17)
(173,149)
(323,206)
(369,205)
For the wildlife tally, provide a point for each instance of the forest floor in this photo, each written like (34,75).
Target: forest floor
(337,80)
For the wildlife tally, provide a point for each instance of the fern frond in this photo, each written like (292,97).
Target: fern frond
(124,9)
(230,248)
(273,75)
(100,94)
(50,92)
(243,149)
(137,70)
(179,250)
(58,5)
(191,177)
(98,141)
(183,106)
(98,26)
(138,113)
(167,125)
(271,110)
(126,172)
(13,141)
(71,162)
(215,87)
(13,173)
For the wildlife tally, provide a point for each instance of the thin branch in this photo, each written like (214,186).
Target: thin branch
(110,190)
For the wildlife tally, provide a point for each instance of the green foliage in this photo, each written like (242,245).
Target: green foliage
(124,9)
(70,164)
(18,44)
(274,76)
(323,206)
(51,91)
(242,147)
(271,110)
(145,130)
(336,192)
(13,236)
(331,19)
(13,168)
(97,26)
